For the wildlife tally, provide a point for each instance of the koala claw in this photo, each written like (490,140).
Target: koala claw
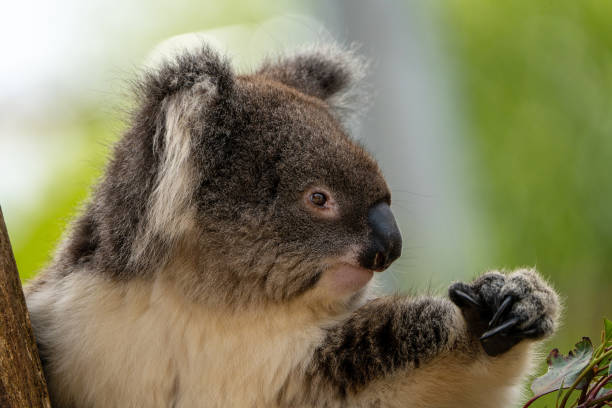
(460,297)
(502,310)
(504,326)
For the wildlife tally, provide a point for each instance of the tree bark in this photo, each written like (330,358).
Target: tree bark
(22,383)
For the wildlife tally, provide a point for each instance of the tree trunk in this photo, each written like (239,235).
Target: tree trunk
(22,383)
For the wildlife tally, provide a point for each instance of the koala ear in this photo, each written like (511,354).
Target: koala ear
(328,72)
(167,96)
(203,70)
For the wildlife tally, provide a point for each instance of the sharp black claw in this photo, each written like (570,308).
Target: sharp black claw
(510,323)
(466,297)
(502,308)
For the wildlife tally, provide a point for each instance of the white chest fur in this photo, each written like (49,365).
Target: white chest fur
(141,344)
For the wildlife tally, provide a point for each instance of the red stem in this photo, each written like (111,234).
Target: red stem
(531,401)
(599,385)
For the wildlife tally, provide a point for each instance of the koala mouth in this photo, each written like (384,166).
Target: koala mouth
(354,269)
(346,277)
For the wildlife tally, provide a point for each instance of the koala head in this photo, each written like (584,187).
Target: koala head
(243,188)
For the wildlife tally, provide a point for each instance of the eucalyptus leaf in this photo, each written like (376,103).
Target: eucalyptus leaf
(564,370)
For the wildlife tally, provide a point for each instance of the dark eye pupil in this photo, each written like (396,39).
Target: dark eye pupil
(318,199)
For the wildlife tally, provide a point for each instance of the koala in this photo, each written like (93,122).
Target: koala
(227,256)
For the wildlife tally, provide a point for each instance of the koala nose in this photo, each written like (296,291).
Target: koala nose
(385,240)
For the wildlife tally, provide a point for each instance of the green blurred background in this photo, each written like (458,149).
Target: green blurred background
(491,120)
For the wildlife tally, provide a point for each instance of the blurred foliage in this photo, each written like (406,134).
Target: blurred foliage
(536,82)
(34,242)
(534,86)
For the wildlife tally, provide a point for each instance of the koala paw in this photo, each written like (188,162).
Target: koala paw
(502,310)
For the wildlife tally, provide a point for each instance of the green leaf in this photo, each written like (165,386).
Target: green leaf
(563,371)
(608,330)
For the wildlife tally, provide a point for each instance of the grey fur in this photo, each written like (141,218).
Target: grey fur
(387,334)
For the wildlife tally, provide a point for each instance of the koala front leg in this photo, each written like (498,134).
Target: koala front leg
(427,352)
(362,361)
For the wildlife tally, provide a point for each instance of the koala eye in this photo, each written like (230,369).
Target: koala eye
(318,199)
(320,202)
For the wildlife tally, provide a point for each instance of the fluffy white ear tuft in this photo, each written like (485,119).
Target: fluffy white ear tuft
(203,70)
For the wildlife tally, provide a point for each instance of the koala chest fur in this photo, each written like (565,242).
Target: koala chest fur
(143,345)
(226,256)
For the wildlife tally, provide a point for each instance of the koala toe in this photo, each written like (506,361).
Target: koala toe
(528,309)
(536,304)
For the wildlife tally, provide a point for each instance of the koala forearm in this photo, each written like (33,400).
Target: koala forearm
(396,351)
(387,335)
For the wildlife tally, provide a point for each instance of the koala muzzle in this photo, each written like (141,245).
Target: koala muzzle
(385,244)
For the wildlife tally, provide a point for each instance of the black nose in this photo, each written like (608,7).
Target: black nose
(385,244)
